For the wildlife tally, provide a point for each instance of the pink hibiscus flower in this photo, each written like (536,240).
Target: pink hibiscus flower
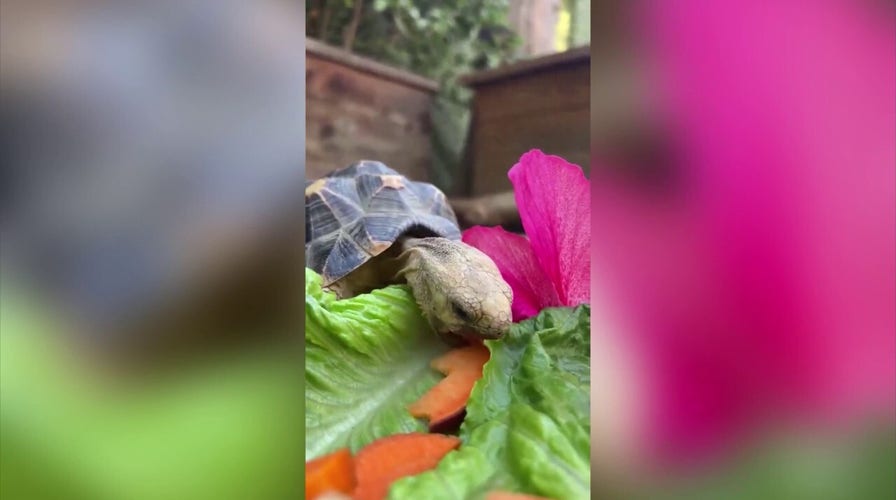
(551,266)
(762,288)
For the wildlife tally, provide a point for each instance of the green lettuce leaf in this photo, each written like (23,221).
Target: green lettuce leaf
(528,419)
(366,359)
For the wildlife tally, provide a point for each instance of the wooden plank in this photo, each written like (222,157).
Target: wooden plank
(578,55)
(565,87)
(496,149)
(547,110)
(354,115)
(497,209)
(320,50)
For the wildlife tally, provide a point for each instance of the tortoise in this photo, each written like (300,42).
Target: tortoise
(367,226)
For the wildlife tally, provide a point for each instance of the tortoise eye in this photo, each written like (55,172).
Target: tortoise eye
(459,311)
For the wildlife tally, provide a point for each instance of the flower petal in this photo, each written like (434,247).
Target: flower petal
(532,289)
(802,245)
(554,201)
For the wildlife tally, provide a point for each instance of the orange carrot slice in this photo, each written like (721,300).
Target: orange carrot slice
(332,472)
(506,495)
(462,367)
(388,459)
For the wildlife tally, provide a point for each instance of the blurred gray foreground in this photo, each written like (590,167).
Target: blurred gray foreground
(153,156)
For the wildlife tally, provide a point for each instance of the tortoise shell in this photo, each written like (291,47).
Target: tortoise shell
(356,213)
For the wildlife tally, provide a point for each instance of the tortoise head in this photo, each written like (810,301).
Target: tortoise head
(459,288)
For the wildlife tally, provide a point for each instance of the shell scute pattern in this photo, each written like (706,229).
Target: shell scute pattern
(360,210)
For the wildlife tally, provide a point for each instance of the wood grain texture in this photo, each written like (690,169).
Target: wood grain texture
(497,209)
(538,107)
(353,113)
(320,50)
(529,66)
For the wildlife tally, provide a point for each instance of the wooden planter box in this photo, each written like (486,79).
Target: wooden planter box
(540,103)
(358,109)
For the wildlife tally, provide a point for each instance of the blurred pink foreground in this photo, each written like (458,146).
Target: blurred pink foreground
(763,289)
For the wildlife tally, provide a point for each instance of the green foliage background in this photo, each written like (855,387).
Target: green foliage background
(580,22)
(441,40)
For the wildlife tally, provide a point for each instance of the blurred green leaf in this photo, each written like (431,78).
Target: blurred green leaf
(818,466)
(210,429)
